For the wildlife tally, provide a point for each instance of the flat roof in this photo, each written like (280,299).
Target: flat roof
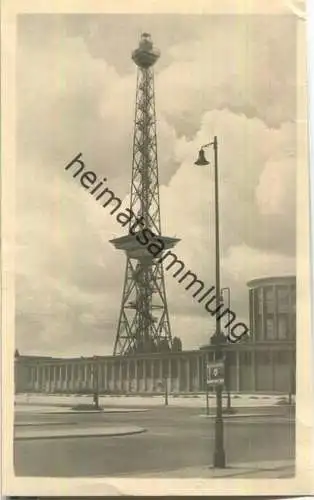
(271,280)
(240,346)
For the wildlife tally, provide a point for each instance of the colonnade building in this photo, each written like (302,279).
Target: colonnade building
(264,362)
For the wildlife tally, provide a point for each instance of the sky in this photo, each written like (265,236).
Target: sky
(230,76)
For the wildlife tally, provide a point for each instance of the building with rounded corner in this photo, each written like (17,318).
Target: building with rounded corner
(272,306)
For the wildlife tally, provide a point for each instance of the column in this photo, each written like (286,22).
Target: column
(144,376)
(136,375)
(70,384)
(105,383)
(69,378)
(37,378)
(80,376)
(84,384)
(66,378)
(151,371)
(179,374)
(40,369)
(161,374)
(197,383)
(62,378)
(56,378)
(237,371)
(188,371)
(48,378)
(100,376)
(73,378)
(128,381)
(155,368)
(109,376)
(253,372)
(59,371)
(30,379)
(169,377)
(120,381)
(52,378)
(275,312)
(252,311)
(43,380)
(272,367)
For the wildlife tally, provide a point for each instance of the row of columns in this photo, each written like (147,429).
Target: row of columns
(248,372)
(184,374)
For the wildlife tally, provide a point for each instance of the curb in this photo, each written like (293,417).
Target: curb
(235,470)
(245,415)
(42,424)
(97,434)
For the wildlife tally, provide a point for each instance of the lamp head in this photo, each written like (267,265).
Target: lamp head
(201,160)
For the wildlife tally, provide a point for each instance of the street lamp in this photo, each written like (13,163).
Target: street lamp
(219,452)
(166,390)
(227,365)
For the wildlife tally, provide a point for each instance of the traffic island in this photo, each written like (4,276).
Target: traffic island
(229,411)
(31,434)
(87,407)
(57,410)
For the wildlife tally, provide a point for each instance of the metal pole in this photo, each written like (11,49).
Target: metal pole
(166,391)
(227,367)
(219,452)
(207,400)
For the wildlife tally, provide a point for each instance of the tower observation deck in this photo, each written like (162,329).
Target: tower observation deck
(144,324)
(145,55)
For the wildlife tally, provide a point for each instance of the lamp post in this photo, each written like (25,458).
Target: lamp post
(207,400)
(227,367)
(166,390)
(219,452)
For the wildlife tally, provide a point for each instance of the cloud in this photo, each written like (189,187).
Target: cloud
(247,72)
(74,98)
(273,195)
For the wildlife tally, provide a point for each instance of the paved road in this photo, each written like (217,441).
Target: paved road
(175,437)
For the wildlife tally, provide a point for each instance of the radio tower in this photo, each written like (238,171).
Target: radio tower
(144,320)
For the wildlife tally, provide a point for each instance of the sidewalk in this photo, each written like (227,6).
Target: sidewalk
(249,414)
(177,400)
(267,469)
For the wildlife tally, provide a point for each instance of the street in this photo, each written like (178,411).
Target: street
(174,438)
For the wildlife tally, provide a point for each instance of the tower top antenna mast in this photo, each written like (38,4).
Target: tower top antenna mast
(146,54)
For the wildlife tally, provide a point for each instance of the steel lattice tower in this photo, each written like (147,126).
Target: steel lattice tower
(144,320)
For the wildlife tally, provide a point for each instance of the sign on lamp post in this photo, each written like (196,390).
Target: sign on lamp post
(215,374)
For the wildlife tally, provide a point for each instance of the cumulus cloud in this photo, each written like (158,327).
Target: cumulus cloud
(74,95)
(274,197)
